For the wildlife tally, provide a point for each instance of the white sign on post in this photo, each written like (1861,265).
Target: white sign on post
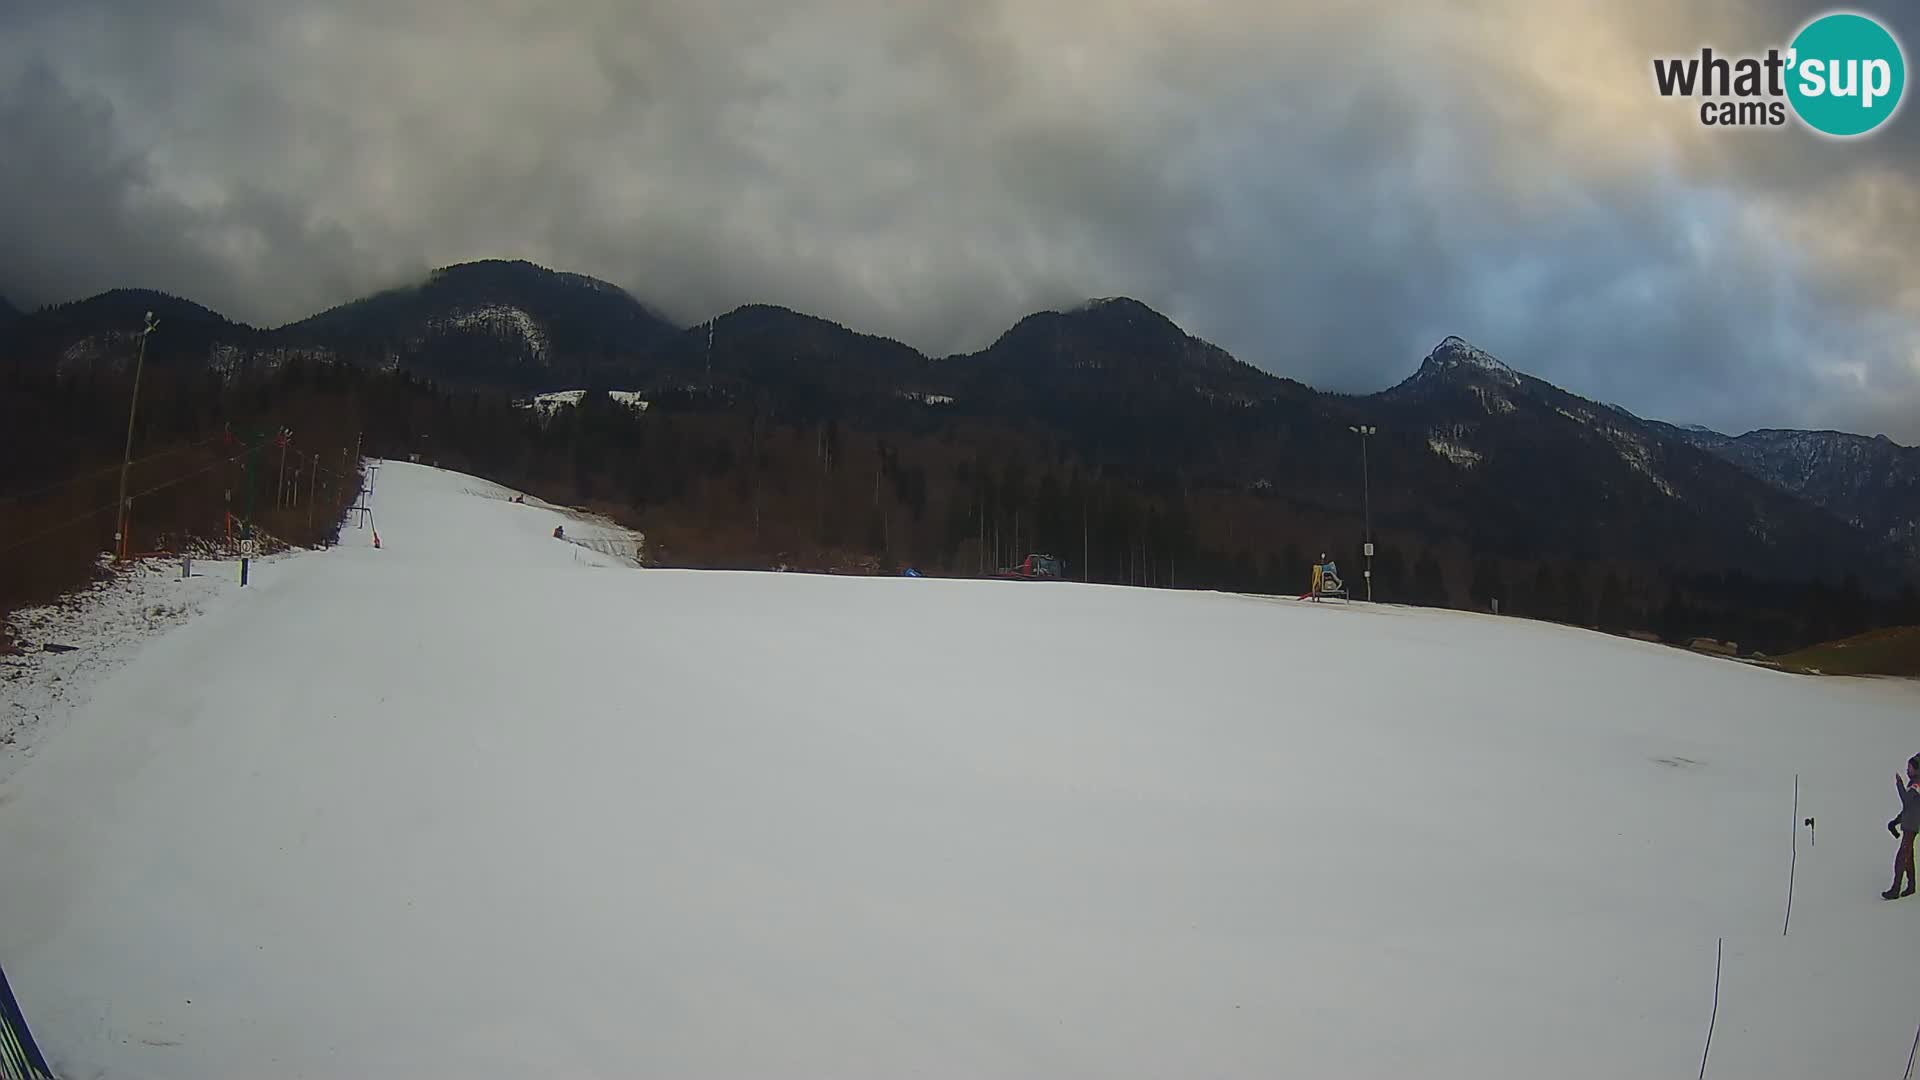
(1369,550)
(247,549)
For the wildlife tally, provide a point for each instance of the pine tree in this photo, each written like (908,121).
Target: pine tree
(1852,607)
(1245,576)
(1676,619)
(1429,582)
(1574,599)
(1487,586)
(1614,614)
(1547,602)
(1904,608)
(1390,583)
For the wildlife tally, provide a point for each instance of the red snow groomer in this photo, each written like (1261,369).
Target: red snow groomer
(1035,568)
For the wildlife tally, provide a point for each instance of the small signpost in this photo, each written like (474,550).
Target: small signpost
(248,549)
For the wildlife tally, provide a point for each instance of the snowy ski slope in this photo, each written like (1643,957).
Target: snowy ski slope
(481,803)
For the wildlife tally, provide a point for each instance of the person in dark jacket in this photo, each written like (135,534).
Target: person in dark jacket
(1904,826)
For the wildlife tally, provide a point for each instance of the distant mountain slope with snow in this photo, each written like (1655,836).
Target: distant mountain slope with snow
(548,403)
(494,322)
(1536,468)
(482,803)
(1873,483)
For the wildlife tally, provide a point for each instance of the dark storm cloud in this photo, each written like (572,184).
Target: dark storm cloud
(80,211)
(1324,193)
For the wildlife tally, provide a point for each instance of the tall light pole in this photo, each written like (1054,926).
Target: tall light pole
(126,458)
(1366,501)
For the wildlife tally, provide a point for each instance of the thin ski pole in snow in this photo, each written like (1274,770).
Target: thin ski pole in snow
(1719,945)
(1794,859)
(1908,1075)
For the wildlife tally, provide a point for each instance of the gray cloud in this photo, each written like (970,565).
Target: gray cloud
(1323,192)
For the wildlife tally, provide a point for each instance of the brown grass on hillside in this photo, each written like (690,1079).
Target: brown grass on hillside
(1894,650)
(53,540)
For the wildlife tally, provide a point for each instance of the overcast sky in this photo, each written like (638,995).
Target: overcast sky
(1325,193)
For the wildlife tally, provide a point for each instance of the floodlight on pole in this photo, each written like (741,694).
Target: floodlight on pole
(126,457)
(1366,431)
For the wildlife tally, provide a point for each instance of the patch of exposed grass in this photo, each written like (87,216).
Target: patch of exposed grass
(1894,650)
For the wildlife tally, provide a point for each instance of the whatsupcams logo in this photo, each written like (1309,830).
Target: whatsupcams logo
(1843,74)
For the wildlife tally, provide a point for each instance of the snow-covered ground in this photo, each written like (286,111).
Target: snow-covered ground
(69,648)
(579,527)
(479,803)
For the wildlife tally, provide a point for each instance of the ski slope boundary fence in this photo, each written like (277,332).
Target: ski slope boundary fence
(19,1058)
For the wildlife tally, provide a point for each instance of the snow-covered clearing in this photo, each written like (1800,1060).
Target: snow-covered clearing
(548,403)
(480,803)
(70,647)
(579,527)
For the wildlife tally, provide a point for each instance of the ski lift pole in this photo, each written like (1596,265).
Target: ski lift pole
(280,489)
(121,540)
(246,527)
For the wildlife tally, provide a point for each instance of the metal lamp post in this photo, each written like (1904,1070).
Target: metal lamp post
(126,458)
(1366,501)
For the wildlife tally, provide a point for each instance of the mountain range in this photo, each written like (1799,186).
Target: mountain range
(1872,483)
(1467,448)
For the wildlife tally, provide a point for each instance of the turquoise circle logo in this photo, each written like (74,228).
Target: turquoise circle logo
(1847,74)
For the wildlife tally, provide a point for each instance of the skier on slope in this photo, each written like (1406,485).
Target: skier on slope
(1904,826)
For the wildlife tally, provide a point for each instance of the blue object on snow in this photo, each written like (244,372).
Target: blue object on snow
(911,572)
